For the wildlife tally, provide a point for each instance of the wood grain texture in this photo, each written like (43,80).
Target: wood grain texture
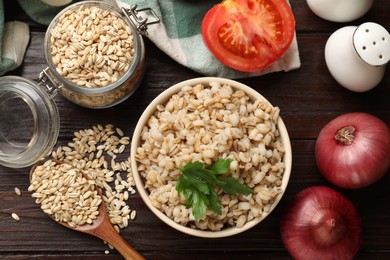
(308,97)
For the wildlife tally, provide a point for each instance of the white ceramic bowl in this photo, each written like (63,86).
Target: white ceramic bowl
(144,193)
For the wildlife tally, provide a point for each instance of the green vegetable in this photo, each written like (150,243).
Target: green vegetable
(197,184)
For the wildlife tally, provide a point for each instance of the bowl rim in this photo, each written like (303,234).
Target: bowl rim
(162,98)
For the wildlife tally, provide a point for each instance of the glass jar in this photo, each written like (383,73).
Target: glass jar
(95,53)
(29,118)
(29,122)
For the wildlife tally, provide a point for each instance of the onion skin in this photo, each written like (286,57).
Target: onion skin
(362,161)
(321,223)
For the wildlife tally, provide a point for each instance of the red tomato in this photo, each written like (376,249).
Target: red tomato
(248,35)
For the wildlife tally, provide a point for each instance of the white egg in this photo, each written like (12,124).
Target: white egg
(340,10)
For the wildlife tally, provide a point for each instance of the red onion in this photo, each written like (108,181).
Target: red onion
(353,150)
(321,223)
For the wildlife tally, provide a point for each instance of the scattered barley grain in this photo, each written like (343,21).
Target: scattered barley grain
(15,216)
(17,191)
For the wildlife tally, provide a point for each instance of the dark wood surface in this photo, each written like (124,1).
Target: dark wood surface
(308,97)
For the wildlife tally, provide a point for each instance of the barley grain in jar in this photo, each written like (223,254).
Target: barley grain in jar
(95,54)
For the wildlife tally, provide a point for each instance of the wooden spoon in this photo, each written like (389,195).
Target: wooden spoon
(101,227)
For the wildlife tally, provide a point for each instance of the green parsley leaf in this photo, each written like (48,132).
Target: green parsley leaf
(203,175)
(232,186)
(198,201)
(214,204)
(197,184)
(192,166)
(221,166)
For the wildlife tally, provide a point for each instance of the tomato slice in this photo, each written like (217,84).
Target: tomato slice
(248,35)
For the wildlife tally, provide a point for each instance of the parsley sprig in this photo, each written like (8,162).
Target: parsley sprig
(197,184)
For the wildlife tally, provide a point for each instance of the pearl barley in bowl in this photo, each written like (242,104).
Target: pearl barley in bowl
(211,157)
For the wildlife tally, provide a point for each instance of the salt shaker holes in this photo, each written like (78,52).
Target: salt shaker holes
(380,56)
(370,41)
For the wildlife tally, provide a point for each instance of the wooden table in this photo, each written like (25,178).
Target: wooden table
(308,98)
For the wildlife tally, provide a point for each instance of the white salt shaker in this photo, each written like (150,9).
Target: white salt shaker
(340,10)
(356,56)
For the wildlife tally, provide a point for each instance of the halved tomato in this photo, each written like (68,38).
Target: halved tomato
(248,35)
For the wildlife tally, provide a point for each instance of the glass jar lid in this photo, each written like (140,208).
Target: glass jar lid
(29,122)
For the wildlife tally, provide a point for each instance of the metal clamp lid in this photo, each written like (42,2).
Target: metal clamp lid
(140,22)
(46,76)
